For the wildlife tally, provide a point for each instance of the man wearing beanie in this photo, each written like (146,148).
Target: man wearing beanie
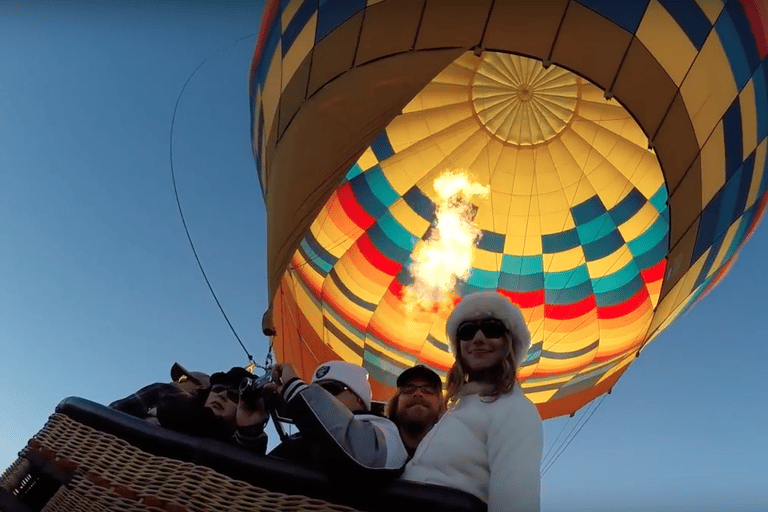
(336,429)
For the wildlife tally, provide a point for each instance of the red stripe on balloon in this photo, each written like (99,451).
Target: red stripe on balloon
(655,273)
(757,12)
(623,309)
(525,299)
(396,289)
(377,259)
(270,12)
(567,311)
(757,218)
(352,208)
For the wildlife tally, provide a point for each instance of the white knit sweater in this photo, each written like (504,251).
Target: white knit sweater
(490,449)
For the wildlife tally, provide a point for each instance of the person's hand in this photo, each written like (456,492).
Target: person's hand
(251,416)
(282,374)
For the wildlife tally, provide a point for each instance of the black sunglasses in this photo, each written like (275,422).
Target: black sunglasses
(232,394)
(491,328)
(333,387)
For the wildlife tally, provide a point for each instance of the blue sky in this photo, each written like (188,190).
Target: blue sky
(100,293)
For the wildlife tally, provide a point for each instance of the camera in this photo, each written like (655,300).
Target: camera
(251,389)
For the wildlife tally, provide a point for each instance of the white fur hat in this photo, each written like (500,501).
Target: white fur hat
(491,305)
(351,375)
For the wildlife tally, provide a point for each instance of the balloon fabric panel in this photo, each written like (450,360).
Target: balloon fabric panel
(575,308)
(618,194)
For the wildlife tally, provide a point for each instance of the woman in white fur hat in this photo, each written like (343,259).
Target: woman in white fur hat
(490,441)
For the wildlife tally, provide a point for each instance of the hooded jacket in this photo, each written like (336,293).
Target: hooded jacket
(491,449)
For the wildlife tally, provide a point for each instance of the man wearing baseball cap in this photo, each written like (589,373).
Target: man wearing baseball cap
(417,405)
(145,402)
(335,425)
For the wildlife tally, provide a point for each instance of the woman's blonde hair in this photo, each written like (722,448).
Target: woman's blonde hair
(503,376)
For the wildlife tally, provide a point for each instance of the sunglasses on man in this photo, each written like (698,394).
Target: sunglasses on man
(491,328)
(232,394)
(426,389)
(333,387)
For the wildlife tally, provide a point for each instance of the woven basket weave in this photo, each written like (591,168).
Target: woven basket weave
(112,475)
(90,458)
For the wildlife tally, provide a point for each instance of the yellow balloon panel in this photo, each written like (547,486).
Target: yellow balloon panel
(564,230)
(610,210)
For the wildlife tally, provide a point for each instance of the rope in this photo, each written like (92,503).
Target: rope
(572,437)
(178,201)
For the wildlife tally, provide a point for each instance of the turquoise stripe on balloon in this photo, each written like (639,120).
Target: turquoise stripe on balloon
(318,249)
(570,295)
(380,186)
(733,49)
(650,238)
(728,203)
(738,237)
(616,280)
(396,231)
(560,242)
(627,207)
(566,279)
(654,255)
(660,198)
(317,269)
(384,244)
(315,258)
(381,370)
(519,283)
(620,295)
(483,278)
(589,210)
(523,265)
(596,228)
(308,293)
(491,242)
(344,323)
(741,233)
(354,171)
(710,259)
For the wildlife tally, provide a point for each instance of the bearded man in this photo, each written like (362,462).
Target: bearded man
(417,405)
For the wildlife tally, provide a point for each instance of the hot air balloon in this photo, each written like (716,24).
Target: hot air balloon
(622,146)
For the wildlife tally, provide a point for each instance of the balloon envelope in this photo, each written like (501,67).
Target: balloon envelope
(623,147)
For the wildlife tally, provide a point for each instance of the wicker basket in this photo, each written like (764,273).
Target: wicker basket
(89,458)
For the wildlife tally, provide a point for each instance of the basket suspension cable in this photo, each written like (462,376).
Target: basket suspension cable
(178,201)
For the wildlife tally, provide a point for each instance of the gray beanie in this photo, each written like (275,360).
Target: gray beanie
(491,305)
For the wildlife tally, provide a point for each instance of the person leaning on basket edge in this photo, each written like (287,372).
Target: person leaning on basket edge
(416,405)
(489,443)
(331,413)
(148,402)
(202,406)
(335,425)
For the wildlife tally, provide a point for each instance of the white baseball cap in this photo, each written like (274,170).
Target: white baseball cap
(353,376)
